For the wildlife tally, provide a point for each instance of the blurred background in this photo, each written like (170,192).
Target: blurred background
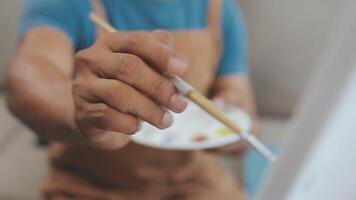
(286,38)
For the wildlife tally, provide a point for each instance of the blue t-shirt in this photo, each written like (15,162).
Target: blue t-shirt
(71,17)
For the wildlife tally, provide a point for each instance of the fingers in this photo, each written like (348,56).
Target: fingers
(104,127)
(134,71)
(219,102)
(238,148)
(151,47)
(132,102)
(101,116)
(118,81)
(108,140)
(101,126)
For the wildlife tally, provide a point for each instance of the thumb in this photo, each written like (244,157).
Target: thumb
(219,102)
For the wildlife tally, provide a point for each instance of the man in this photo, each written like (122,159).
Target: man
(87,96)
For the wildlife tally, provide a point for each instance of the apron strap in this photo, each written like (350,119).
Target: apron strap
(98,8)
(214,23)
(214,18)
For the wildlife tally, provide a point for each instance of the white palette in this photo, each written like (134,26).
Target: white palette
(193,130)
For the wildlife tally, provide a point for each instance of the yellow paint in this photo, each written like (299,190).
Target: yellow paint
(223,132)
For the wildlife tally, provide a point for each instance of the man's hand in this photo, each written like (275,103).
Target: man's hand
(118,81)
(240,147)
(232,91)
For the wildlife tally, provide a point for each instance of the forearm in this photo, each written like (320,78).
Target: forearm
(40,96)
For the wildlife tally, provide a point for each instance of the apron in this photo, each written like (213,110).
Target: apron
(136,172)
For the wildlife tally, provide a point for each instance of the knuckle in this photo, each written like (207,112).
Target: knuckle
(114,40)
(112,92)
(78,88)
(136,40)
(87,59)
(93,117)
(98,113)
(163,87)
(101,115)
(118,94)
(128,65)
(140,37)
(81,117)
(154,113)
(163,36)
(82,58)
(77,85)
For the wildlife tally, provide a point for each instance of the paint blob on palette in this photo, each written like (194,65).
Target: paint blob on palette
(199,138)
(223,132)
(193,130)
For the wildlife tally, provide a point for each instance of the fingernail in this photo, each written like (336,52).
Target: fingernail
(139,125)
(167,119)
(178,102)
(176,66)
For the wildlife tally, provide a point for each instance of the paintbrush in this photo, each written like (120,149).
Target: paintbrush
(188,91)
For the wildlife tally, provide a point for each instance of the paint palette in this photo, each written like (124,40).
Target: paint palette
(193,129)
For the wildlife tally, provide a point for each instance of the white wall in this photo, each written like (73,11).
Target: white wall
(286,37)
(9,11)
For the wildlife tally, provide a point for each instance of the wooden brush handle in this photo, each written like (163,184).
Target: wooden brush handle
(101,23)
